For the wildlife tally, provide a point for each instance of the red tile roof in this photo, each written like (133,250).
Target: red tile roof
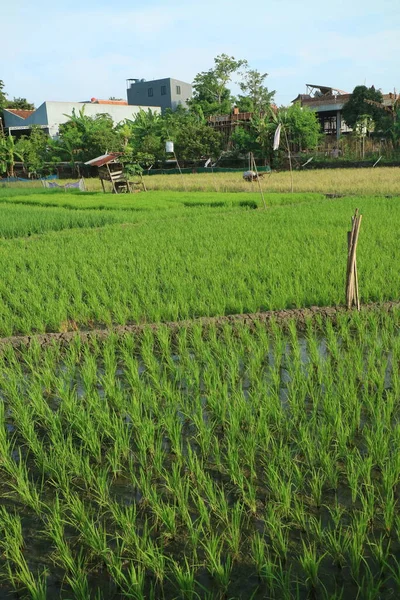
(24,114)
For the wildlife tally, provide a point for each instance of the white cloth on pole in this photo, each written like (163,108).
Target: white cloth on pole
(277,137)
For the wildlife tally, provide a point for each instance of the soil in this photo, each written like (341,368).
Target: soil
(300,315)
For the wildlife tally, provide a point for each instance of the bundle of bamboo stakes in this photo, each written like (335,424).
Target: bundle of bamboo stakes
(352,293)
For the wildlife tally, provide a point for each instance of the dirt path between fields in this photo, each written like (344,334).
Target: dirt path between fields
(300,315)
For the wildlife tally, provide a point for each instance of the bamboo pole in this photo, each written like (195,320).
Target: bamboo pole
(290,160)
(180,171)
(352,290)
(143,183)
(254,166)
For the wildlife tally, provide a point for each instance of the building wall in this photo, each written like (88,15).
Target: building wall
(57,112)
(53,114)
(138,93)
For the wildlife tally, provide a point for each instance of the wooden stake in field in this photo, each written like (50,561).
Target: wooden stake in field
(253,167)
(352,293)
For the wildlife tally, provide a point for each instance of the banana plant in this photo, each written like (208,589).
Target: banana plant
(8,154)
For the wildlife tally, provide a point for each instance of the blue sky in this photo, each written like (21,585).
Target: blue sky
(76,50)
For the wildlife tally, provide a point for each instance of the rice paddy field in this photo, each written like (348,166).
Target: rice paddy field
(384,180)
(364,181)
(209,461)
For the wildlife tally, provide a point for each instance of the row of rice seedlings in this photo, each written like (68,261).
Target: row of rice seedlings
(167,464)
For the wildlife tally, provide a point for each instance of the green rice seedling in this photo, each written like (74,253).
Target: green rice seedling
(248,446)
(258,553)
(315,528)
(298,513)
(232,464)
(75,568)
(370,586)
(337,542)
(88,433)
(179,487)
(217,500)
(367,498)
(336,513)
(280,487)
(164,341)
(316,481)
(203,512)
(184,579)
(393,568)
(174,431)
(145,440)
(278,533)
(18,571)
(380,549)
(143,482)
(195,532)
(329,465)
(249,494)
(22,484)
(234,528)
(153,558)
(353,476)
(219,568)
(114,460)
(377,441)
(25,423)
(89,369)
(285,582)
(125,517)
(92,532)
(5,445)
(389,505)
(267,569)
(390,475)
(310,561)
(355,551)
(131,536)
(166,515)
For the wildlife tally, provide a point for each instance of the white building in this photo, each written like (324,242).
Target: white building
(50,115)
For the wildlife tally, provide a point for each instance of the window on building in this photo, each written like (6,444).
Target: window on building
(178,89)
(163,90)
(150,92)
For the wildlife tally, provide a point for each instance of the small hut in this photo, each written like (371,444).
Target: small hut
(111,169)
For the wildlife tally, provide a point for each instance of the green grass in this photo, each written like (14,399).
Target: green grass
(239,463)
(188,262)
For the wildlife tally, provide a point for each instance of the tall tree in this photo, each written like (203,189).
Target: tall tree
(88,136)
(3,96)
(357,105)
(35,150)
(255,95)
(210,92)
(20,103)
(301,125)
